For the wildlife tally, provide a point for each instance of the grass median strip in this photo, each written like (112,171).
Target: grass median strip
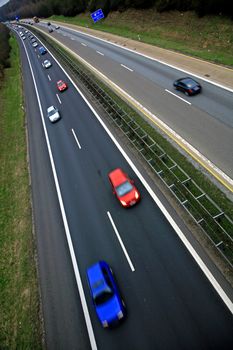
(20,326)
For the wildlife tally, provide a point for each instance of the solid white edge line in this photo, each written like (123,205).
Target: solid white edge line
(187,145)
(122,65)
(155,59)
(58,98)
(100,53)
(194,254)
(121,242)
(76,139)
(66,226)
(172,93)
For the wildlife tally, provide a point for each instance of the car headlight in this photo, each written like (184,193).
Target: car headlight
(136,195)
(123,203)
(105,324)
(120,315)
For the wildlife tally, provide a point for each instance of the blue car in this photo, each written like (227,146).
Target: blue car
(109,306)
(42,50)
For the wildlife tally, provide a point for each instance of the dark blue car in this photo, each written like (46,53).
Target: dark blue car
(187,85)
(42,50)
(105,294)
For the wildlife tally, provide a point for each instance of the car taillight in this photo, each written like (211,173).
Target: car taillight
(105,324)
(120,315)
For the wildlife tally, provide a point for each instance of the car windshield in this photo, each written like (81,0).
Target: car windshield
(52,112)
(190,83)
(103,297)
(60,83)
(124,188)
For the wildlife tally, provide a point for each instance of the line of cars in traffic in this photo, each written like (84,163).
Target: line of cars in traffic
(105,294)
(52,111)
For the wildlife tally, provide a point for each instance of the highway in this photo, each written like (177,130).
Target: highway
(171,304)
(205,121)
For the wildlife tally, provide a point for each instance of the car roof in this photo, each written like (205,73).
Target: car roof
(50,108)
(117,176)
(96,278)
(188,80)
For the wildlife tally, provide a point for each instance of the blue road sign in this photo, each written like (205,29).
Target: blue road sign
(97,15)
(17,18)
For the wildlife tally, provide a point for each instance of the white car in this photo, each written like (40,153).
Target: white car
(35,44)
(46,64)
(24,37)
(57,27)
(53,114)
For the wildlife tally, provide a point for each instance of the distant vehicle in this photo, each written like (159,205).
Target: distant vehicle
(61,85)
(23,37)
(46,64)
(187,85)
(42,50)
(26,31)
(53,114)
(123,187)
(109,306)
(49,24)
(57,27)
(33,40)
(36,19)
(35,44)
(50,30)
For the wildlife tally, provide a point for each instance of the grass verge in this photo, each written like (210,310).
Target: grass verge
(209,38)
(20,326)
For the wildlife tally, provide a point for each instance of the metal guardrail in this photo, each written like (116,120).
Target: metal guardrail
(205,212)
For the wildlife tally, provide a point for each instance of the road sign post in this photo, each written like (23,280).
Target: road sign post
(97,15)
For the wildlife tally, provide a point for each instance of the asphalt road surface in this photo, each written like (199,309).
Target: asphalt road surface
(170,302)
(206,123)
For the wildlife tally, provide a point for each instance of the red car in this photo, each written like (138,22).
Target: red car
(61,85)
(123,188)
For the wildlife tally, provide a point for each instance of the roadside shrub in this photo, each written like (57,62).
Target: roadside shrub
(4,48)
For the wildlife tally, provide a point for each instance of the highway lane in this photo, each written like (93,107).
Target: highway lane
(62,313)
(168,294)
(206,124)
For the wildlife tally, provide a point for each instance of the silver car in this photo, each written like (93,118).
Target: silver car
(35,44)
(53,114)
(46,64)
